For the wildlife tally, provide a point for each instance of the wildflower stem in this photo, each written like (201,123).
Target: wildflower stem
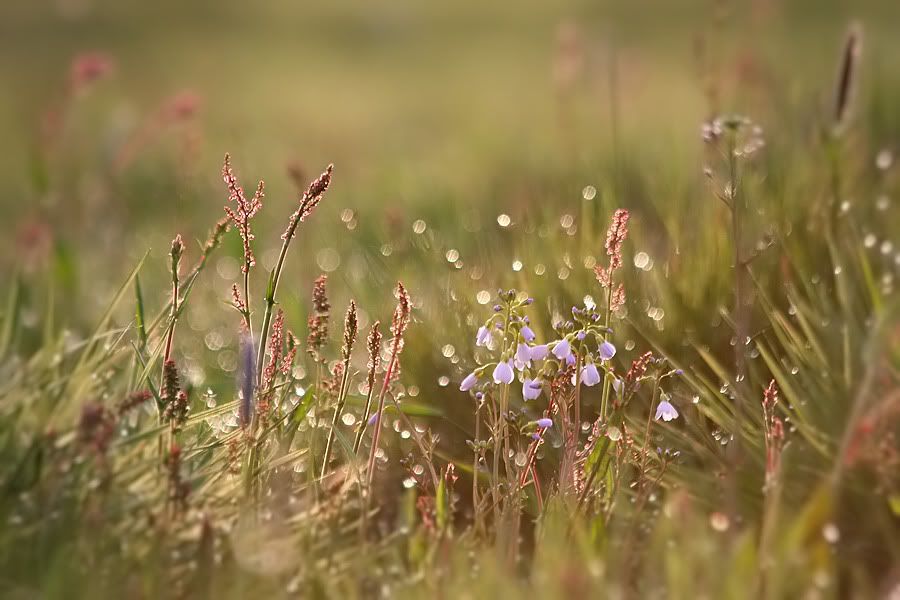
(365,420)
(370,469)
(741,315)
(274,278)
(647,430)
(342,397)
(475,455)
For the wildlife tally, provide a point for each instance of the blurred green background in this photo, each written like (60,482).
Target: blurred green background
(441,118)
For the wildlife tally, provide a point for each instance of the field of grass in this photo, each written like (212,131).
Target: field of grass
(572,299)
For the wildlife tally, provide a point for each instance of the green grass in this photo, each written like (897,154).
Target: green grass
(460,168)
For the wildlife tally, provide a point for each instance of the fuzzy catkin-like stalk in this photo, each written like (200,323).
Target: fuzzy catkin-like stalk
(175,254)
(241,216)
(398,328)
(308,202)
(373,345)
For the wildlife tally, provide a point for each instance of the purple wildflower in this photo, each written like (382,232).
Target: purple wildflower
(503,372)
(589,375)
(562,349)
(483,336)
(544,423)
(607,351)
(570,359)
(523,357)
(468,383)
(618,385)
(531,389)
(373,419)
(581,335)
(539,352)
(665,411)
(528,334)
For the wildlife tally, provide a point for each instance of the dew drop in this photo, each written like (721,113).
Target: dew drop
(831,533)
(719,521)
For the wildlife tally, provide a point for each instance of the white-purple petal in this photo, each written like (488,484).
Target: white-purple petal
(607,351)
(523,356)
(468,383)
(665,411)
(528,334)
(483,336)
(503,372)
(544,423)
(562,349)
(590,376)
(539,352)
(531,389)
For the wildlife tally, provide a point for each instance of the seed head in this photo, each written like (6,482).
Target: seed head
(351,328)
(171,385)
(615,237)
(276,344)
(309,201)
(318,320)
(244,210)
(176,253)
(847,76)
(373,345)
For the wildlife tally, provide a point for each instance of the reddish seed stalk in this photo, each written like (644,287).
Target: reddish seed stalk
(370,469)
(176,252)
(310,199)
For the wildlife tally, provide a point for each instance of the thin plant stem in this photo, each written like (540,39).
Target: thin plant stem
(275,278)
(342,397)
(741,318)
(376,436)
(367,412)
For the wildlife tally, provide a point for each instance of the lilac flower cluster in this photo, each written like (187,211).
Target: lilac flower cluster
(581,342)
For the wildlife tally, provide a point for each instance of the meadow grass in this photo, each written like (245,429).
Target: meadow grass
(685,385)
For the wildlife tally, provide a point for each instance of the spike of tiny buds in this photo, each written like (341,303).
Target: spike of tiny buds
(175,254)
(351,328)
(318,320)
(241,215)
(373,345)
(615,295)
(276,344)
(169,383)
(398,328)
(310,199)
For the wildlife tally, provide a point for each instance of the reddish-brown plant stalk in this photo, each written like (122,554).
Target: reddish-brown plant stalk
(398,328)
